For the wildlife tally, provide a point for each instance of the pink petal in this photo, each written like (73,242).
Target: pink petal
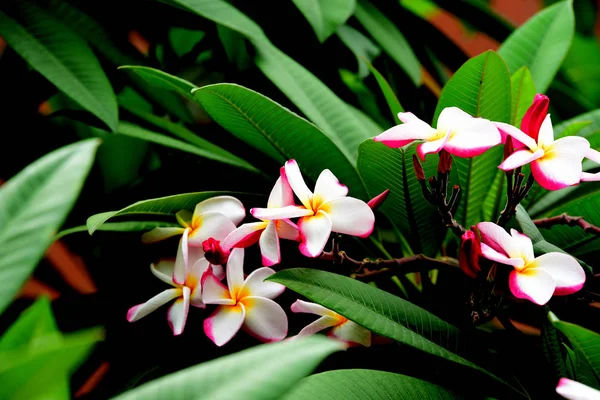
(524,245)
(158,234)
(587,177)
(269,245)
(433,146)
(296,181)
(535,115)
(557,170)
(328,187)
(210,225)
(572,390)
(520,158)
(178,312)
(224,323)
(568,275)
(163,270)
(235,271)
(181,262)
(280,213)
(473,138)
(351,332)
(281,194)
(546,134)
(286,229)
(493,255)
(318,325)
(498,239)
(533,284)
(574,144)
(516,134)
(350,216)
(265,319)
(141,310)
(314,232)
(244,236)
(301,306)
(401,135)
(453,118)
(213,291)
(255,284)
(229,206)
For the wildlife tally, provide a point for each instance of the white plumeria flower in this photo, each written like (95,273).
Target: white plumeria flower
(342,328)
(243,303)
(322,212)
(533,278)
(185,276)
(268,232)
(457,132)
(576,391)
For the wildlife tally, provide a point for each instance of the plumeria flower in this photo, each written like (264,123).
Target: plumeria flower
(457,132)
(576,391)
(243,303)
(555,164)
(533,278)
(268,232)
(342,328)
(322,212)
(184,274)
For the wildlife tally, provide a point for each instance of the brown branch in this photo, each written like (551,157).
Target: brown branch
(565,219)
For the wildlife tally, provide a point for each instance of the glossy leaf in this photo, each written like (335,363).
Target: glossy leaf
(523,91)
(360,45)
(126,226)
(41,40)
(162,80)
(262,372)
(389,38)
(541,43)
(325,16)
(390,97)
(277,132)
(33,205)
(481,87)
(367,385)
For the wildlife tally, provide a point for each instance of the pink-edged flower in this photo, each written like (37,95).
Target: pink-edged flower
(243,303)
(184,274)
(576,391)
(268,232)
(215,217)
(593,155)
(555,164)
(533,278)
(341,327)
(457,132)
(322,212)
(470,251)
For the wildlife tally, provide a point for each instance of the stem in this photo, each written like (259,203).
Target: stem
(565,219)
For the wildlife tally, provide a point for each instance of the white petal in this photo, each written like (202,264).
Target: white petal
(407,117)
(141,310)
(194,278)
(195,253)
(163,270)
(564,269)
(318,325)
(314,232)
(213,291)
(328,187)
(575,144)
(433,146)
(401,135)
(518,134)
(255,284)
(546,134)
(533,284)
(294,176)
(181,262)
(224,323)
(280,213)
(587,177)
(557,169)
(229,206)
(286,229)
(473,138)
(235,271)
(301,306)
(524,244)
(572,390)
(158,234)
(177,315)
(453,118)
(498,239)
(265,319)
(269,245)
(520,158)
(350,216)
(210,225)
(243,236)
(281,194)
(593,155)
(351,332)
(493,255)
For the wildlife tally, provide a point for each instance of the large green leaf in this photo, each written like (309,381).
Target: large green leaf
(561,129)
(42,41)
(326,15)
(34,322)
(162,80)
(541,44)
(380,312)
(481,87)
(389,38)
(263,372)
(33,205)
(126,226)
(383,168)
(362,47)
(366,384)
(277,132)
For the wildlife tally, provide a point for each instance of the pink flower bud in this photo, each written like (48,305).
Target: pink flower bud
(214,253)
(445,163)
(418,168)
(378,200)
(470,250)
(535,115)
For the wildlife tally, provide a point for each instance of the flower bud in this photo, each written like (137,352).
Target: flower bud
(535,115)
(445,163)
(378,200)
(418,168)
(470,250)
(508,147)
(214,253)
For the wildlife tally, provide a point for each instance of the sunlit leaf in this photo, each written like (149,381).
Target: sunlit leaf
(162,80)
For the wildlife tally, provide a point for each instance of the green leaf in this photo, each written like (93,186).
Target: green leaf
(541,43)
(36,321)
(552,348)
(41,40)
(390,97)
(277,132)
(523,92)
(561,130)
(481,87)
(183,40)
(263,372)
(365,96)
(126,226)
(380,312)
(360,45)
(235,46)
(33,205)
(167,206)
(370,384)
(389,38)
(162,80)
(383,168)
(325,16)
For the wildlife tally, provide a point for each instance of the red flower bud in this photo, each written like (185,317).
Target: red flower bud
(445,163)
(509,147)
(470,251)
(214,253)
(418,168)
(378,200)
(535,115)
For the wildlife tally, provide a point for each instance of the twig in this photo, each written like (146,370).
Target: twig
(515,193)
(565,219)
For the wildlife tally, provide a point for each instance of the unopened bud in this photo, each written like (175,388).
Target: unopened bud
(418,168)
(214,253)
(509,147)
(445,163)
(470,251)
(378,200)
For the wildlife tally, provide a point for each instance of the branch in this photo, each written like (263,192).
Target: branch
(565,219)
